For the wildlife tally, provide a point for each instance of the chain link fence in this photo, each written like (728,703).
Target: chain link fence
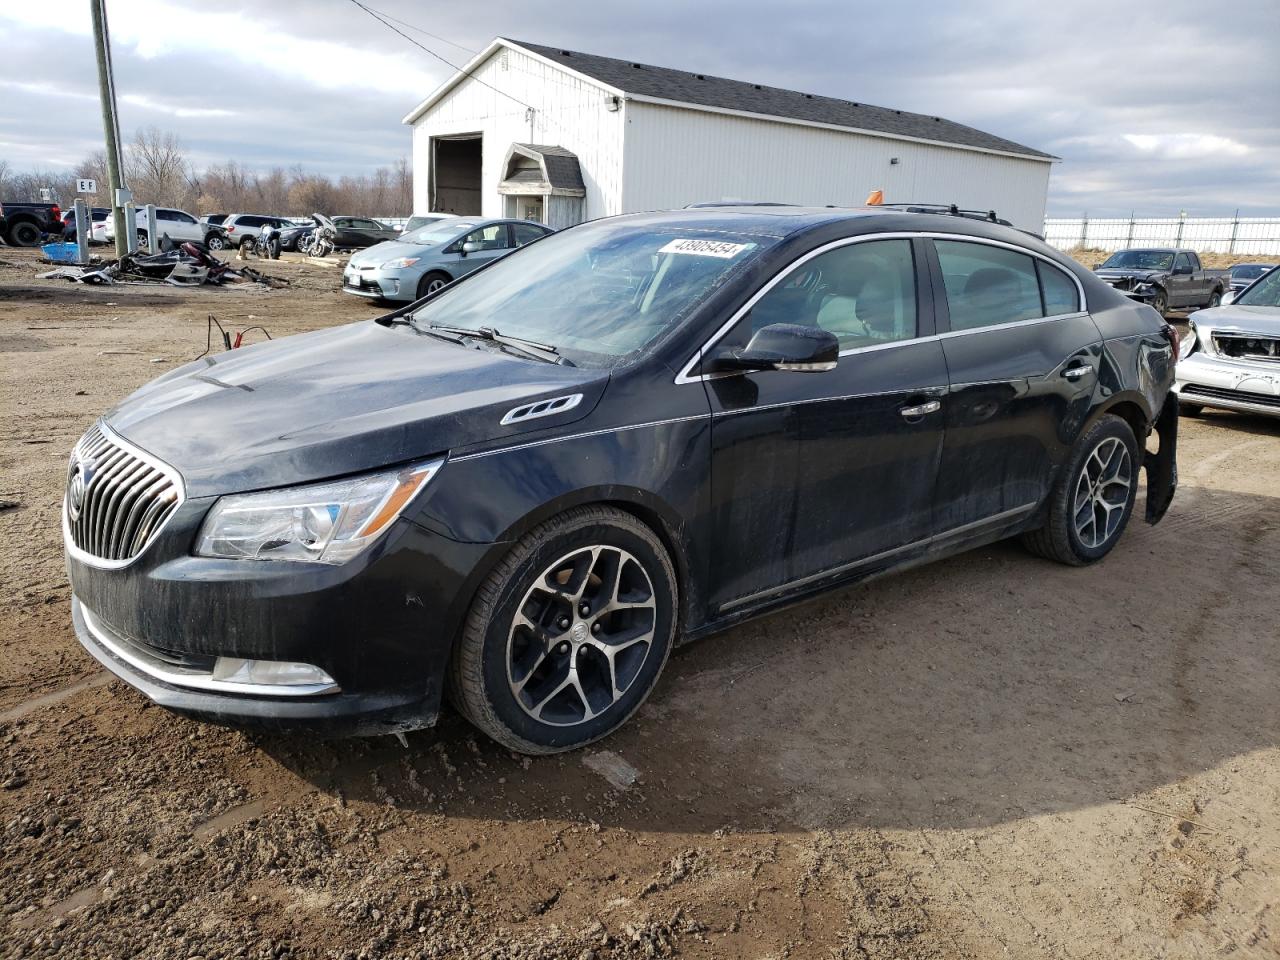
(1233,235)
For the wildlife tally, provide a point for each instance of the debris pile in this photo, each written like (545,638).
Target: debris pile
(188,265)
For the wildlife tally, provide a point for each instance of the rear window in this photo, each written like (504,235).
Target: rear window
(987,285)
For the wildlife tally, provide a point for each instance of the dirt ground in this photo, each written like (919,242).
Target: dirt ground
(989,757)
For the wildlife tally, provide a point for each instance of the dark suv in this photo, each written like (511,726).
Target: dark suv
(524,488)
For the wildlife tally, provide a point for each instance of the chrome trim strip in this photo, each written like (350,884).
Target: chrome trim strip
(578,436)
(687,376)
(156,464)
(550,407)
(191,679)
(992,520)
(934,391)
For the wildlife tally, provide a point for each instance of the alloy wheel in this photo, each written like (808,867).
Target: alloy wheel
(1102,492)
(435,285)
(581,635)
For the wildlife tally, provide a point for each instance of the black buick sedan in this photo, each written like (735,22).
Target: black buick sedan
(522,490)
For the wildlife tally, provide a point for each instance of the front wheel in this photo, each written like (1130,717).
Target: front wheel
(1093,499)
(430,283)
(215,242)
(567,636)
(1161,303)
(143,240)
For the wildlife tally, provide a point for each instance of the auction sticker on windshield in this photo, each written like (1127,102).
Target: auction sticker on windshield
(706,248)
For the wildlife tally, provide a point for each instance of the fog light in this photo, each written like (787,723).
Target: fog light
(273,672)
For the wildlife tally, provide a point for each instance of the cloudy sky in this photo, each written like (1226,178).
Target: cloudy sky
(1174,108)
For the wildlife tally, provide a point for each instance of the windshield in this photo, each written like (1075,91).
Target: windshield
(1264,293)
(599,292)
(1248,271)
(436,232)
(1140,260)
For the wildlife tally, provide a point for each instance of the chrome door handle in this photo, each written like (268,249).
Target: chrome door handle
(933,406)
(1075,373)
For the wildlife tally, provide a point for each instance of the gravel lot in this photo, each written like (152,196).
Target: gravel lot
(993,756)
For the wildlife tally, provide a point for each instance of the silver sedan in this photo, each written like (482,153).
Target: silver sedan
(422,261)
(1231,356)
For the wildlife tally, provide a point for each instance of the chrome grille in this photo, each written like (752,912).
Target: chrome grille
(117,497)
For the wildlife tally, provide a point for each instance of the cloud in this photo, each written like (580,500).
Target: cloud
(1188,122)
(1186,146)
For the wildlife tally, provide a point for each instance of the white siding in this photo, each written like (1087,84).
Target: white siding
(569,113)
(676,156)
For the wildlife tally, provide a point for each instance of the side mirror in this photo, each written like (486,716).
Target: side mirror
(469,247)
(1228,297)
(784,346)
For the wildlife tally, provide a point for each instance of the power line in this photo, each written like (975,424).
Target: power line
(425,33)
(446,62)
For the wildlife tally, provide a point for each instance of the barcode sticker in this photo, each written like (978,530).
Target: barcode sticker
(706,248)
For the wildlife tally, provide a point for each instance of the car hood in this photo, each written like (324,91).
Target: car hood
(336,402)
(1239,318)
(387,250)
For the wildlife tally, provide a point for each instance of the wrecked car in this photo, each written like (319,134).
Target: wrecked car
(523,489)
(1230,358)
(1163,278)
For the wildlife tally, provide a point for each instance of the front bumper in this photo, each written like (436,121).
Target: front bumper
(377,284)
(1210,381)
(381,626)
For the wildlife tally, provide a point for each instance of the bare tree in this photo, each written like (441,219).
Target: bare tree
(159,170)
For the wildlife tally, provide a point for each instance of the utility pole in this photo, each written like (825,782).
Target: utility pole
(111,127)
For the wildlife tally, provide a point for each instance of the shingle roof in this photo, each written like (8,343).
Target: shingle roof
(563,169)
(703,90)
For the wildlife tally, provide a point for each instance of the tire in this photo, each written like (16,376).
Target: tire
(431,282)
(1189,409)
(530,668)
(143,242)
(1071,537)
(24,233)
(215,241)
(1215,300)
(1161,303)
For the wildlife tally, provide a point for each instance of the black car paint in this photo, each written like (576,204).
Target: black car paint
(765,492)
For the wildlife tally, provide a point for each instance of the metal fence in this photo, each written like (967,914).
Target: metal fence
(1239,235)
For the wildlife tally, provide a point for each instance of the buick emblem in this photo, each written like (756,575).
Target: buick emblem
(77,483)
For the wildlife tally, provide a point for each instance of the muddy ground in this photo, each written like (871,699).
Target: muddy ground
(992,756)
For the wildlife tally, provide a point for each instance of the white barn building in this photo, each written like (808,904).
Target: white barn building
(541,133)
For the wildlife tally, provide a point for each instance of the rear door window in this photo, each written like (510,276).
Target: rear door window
(988,286)
(526,233)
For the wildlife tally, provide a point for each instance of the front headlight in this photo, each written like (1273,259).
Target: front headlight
(399,263)
(323,522)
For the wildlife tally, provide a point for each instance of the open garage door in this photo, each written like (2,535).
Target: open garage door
(456,174)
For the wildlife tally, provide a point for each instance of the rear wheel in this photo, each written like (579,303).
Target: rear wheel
(24,233)
(1215,300)
(1189,409)
(568,634)
(1093,498)
(143,241)
(431,282)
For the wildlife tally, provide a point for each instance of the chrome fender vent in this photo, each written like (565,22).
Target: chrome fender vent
(541,408)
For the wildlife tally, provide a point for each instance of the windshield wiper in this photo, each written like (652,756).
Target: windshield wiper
(531,348)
